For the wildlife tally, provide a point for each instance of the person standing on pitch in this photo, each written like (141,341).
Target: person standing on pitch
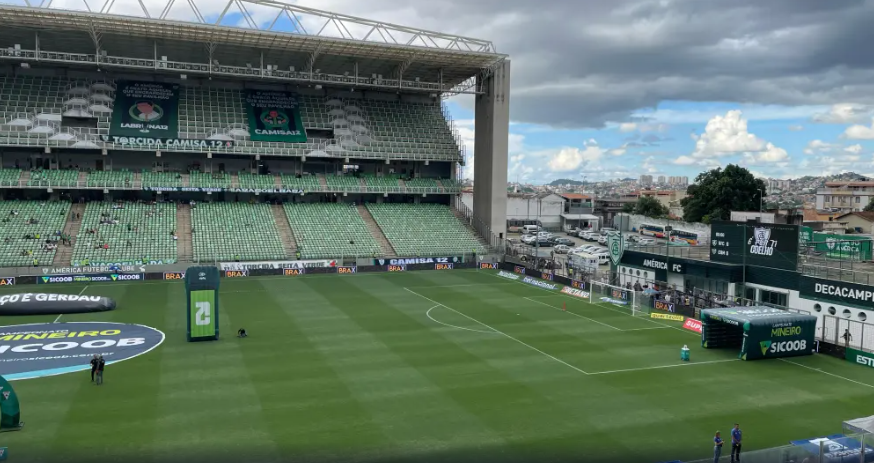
(736,435)
(93,366)
(717,447)
(100,364)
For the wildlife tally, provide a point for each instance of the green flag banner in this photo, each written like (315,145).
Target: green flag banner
(274,116)
(854,247)
(10,412)
(145,109)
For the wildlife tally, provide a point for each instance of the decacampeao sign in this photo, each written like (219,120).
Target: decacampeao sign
(48,349)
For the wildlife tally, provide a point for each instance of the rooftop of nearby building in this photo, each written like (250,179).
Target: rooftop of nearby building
(864,215)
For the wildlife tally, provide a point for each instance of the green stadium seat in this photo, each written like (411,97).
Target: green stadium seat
(424,230)
(50,219)
(140,232)
(330,230)
(223,231)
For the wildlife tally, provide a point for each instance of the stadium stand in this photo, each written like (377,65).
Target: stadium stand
(424,230)
(224,231)
(330,230)
(209,180)
(387,183)
(161,179)
(21,219)
(10,177)
(256,182)
(105,178)
(424,185)
(116,232)
(305,182)
(54,178)
(343,182)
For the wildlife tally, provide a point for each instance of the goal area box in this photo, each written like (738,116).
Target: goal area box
(759,332)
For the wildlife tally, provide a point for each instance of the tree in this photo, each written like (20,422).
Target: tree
(869,207)
(718,192)
(650,207)
(628,208)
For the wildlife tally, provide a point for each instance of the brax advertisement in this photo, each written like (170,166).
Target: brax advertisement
(759,244)
(48,349)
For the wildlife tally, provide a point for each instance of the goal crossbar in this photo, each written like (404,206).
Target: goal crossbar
(604,293)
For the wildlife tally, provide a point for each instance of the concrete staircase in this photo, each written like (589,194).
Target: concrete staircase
(184,246)
(440,185)
(186,180)
(138,181)
(64,255)
(83,178)
(24,178)
(277,180)
(376,232)
(322,181)
(289,244)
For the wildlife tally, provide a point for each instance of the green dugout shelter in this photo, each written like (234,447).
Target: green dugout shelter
(759,332)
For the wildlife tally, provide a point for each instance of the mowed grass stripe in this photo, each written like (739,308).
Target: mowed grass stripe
(398,395)
(544,413)
(303,401)
(126,405)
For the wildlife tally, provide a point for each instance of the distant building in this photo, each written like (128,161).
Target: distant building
(529,208)
(578,212)
(661,179)
(845,196)
(645,180)
(677,181)
(860,222)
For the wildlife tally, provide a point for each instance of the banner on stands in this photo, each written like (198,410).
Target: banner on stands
(145,109)
(539,283)
(575,292)
(417,260)
(92,278)
(277,265)
(274,116)
(166,143)
(667,316)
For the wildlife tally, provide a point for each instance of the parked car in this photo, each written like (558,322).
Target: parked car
(602,239)
(528,239)
(603,258)
(543,243)
(561,249)
(590,249)
(564,241)
(590,236)
(646,242)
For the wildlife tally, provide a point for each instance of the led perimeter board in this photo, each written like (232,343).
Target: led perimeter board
(201,292)
(759,332)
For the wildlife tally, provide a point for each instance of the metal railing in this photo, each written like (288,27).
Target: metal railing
(848,333)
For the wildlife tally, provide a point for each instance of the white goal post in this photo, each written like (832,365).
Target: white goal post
(629,299)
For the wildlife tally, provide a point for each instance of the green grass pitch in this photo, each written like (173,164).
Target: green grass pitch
(459,365)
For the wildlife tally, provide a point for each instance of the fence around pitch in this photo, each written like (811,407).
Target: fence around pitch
(799,454)
(861,334)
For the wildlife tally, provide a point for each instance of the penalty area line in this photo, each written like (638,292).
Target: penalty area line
(574,314)
(628,370)
(500,332)
(428,314)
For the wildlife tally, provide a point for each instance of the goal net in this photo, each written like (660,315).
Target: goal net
(603,293)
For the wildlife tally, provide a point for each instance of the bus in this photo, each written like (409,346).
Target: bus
(657,231)
(690,238)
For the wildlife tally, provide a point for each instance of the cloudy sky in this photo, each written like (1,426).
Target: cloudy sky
(619,88)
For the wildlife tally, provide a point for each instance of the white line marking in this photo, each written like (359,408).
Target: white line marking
(59,317)
(663,366)
(83,290)
(650,328)
(428,314)
(827,373)
(500,332)
(575,314)
(80,293)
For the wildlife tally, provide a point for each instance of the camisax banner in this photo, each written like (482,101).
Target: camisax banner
(145,109)
(274,116)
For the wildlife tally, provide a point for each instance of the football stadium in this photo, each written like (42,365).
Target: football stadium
(233,240)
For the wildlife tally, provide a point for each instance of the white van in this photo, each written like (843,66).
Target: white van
(603,257)
(584,261)
(530,229)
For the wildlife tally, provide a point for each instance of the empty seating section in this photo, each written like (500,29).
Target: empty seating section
(305,182)
(209,180)
(330,230)
(161,179)
(17,250)
(223,231)
(106,178)
(256,182)
(451,186)
(343,182)
(54,178)
(31,110)
(9,177)
(427,185)
(424,230)
(116,232)
(388,182)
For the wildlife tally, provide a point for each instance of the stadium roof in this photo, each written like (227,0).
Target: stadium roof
(335,42)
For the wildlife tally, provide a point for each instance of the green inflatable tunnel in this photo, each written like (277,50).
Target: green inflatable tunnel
(758,332)
(10,412)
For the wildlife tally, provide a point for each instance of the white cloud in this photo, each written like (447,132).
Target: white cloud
(648,165)
(627,127)
(844,113)
(727,135)
(568,159)
(796,128)
(818,146)
(855,149)
(753,112)
(617,151)
(859,132)
(685,161)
